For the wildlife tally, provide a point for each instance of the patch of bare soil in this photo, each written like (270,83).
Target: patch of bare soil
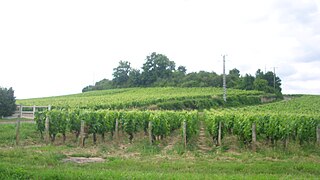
(172,140)
(81,160)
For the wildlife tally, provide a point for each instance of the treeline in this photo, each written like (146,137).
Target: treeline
(159,71)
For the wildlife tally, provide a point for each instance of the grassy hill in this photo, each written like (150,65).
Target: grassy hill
(163,98)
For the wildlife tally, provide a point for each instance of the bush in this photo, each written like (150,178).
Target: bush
(7,102)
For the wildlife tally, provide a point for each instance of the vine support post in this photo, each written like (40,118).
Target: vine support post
(117,130)
(82,135)
(184,133)
(254,137)
(18,132)
(33,110)
(20,112)
(318,134)
(219,134)
(47,134)
(150,132)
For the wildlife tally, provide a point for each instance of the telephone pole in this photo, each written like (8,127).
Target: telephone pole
(274,78)
(224,79)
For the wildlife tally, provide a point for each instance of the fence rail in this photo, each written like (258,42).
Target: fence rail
(27,111)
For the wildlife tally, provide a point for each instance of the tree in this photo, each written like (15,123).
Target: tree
(233,78)
(7,102)
(269,77)
(262,85)
(157,66)
(121,74)
(247,82)
(134,78)
(182,69)
(259,74)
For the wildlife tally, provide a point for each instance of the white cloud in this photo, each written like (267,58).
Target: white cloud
(54,48)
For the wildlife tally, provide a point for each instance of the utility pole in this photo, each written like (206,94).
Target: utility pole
(274,78)
(224,79)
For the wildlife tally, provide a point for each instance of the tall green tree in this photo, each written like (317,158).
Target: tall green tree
(7,102)
(121,74)
(247,82)
(134,78)
(233,78)
(157,66)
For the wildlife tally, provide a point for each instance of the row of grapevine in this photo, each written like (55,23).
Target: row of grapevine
(141,98)
(269,126)
(104,121)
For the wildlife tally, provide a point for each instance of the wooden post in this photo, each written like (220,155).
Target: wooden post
(150,132)
(116,130)
(47,133)
(219,134)
(82,135)
(184,133)
(49,107)
(21,111)
(318,134)
(33,110)
(18,132)
(254,136)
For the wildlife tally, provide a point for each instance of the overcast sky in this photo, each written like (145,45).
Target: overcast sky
(50,48)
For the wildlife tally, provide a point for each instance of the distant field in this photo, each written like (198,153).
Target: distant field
(132,97)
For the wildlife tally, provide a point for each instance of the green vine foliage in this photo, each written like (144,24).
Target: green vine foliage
(270,127)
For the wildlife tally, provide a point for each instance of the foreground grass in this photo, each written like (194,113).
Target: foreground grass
(35,160)
(46,163)
(28,134)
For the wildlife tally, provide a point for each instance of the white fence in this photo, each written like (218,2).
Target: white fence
(28,111)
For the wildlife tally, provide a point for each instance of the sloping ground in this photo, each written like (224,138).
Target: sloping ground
(142,98)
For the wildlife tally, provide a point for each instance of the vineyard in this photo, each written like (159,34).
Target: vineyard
(280,121)
(101,122)
(150,98)
(204,136)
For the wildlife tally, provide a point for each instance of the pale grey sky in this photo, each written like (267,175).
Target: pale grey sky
(50,48)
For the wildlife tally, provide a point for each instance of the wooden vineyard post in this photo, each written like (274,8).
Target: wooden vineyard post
(150,132)
(20,111)
(116,130)
(82,135)
(33,110)
(18,132)
(318,134)
(254,137)
(47,133)
(185,133)
(219,134)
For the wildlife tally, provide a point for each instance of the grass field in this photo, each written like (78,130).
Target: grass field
(35,160)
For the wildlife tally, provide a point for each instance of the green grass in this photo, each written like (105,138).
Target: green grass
(46,163)
(14,119)
(28,134)
(140,160)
